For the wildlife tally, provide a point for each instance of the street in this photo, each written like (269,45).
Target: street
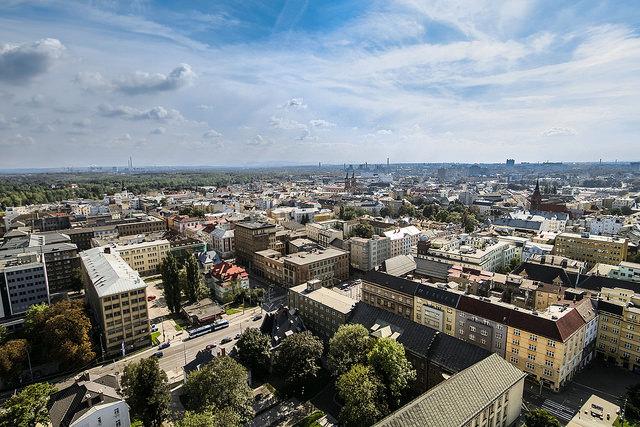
(181,352)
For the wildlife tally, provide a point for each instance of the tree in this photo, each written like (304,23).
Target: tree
(13,359)
(75,280)
(385,212)
(207,418)
(253,350)
(27,408)
(362,230)
(193,278)
(146,390)
(348,346)
(297,359)
(442,216)
(430,210)
(540,418)
(170,271)
(626,210)
(363,396)
(66,333)
(388,359)
(34,322)
(220,385)
(632,409)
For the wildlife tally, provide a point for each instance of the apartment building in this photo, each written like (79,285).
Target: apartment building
(140,225)
(23,282)
(436,308)
(269,264)
(401,240)
(223,240)
(618,339)
(606,225)
(330,266)
(324,232)
(591,249)
(389,293)
(251,237)
(367,254)
(486,394)
(322,309)
(117,296)
(144,257)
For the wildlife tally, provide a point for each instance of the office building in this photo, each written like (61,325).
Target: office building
(367,254)
(23,282)
(591,249)
(117,296)
(251,237)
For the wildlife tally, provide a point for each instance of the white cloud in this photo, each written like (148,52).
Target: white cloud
(20,63)
(320,123)
(286,124)
(294,104)
(259,141)
(559,131)
(211,134)
(129,113)
(143,83)
(17,139)
(158,131)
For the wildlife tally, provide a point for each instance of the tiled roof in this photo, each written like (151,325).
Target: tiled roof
(460,398)
(435,294)
(403,286)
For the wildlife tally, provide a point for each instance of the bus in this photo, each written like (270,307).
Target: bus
(202,330)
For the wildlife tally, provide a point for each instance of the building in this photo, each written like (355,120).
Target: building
(629,271)
(330,266)
(118,299)
(618,339)
(89,402)
(269,265)
(390,293)
(321,309)
(488,393)
(224,276)
(223,240)
(436,308)
(23,282)
(367,254)
(606,225)
(596,412)
(140,225)
(401,240)
(251,237)
(591,249)
(144,257)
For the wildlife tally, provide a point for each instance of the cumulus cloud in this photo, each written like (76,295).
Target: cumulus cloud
(142,83)
(129,113)
(211,134)
(158,131)
(258,141)
(20,63)
(295,103)
(88,80)
(559,131)
(286,124)
(319,123)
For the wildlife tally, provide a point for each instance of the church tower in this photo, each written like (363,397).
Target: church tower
(536,198)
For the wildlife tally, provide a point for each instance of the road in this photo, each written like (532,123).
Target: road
(181,352)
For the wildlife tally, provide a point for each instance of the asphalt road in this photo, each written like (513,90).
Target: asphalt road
(181,352)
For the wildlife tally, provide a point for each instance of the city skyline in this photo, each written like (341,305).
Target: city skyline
(296,83)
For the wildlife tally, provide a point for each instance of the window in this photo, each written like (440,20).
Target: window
(116,411)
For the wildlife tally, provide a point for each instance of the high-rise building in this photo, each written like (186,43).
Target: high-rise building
(23,282)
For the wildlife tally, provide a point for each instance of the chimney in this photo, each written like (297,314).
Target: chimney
(107,250)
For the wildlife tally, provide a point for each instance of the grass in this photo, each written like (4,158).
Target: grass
(620,423)
(310,420)
(232,310)
(154,337)
(178,326)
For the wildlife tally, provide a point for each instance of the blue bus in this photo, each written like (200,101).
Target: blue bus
(202,330)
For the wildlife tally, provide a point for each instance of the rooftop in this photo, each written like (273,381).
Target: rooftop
(327,297)
(109,273)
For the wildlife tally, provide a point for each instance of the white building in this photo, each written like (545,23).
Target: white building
(402,240)
(222,239)
(608,225)
(367,254)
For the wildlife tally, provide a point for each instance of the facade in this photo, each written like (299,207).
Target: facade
(23,282)
(618,339)
(269,264)
(591,249)
(222,239)
(321,309)
(629,271)
(596,412)
(436,308)
(144,257)
(402,240)
(389,293)
(330,266)
(251,237)
(147,224)
(607,225)
(487,394)
(367,254)
(224,276)
(117,296)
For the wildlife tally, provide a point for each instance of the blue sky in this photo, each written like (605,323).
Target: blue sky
(249,82)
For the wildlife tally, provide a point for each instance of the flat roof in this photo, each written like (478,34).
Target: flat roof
(327,297)
(302,258)
(109,273)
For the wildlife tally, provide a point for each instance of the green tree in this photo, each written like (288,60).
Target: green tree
(442,216)
(385,212)
(430,210)
(207,418)
(297,359)
(220,385)
(66,333)
(363,396)
(146,390)
(35,319)
(540,418)
(348,346)
(193,278)
(13,359)
(362,230)
(388,359)
(170,271)
(632,408)
(27,408)
(254,350)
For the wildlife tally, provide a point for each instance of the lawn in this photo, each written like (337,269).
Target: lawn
(232,310)
(154,338)
(310,420)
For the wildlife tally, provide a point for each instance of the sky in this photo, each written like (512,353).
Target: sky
(242,83)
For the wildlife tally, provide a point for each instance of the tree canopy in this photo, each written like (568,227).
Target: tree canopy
(348,346)
(363,396)
(146,390)
(362,230)
(220,385)
(540,418)
(298,358)
(13,359)
(207,418)
(170,270)
(28,407)
(388,359)
(254,350)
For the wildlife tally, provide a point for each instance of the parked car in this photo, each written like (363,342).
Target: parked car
(211,346)
(158,354)
(256,317)
(164,345)
(225,340)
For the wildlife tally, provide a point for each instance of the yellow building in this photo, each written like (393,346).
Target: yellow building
(144,257)
(619,328)
(591,249)
(436,308)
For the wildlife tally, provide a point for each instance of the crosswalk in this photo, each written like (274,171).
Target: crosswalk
(560,411)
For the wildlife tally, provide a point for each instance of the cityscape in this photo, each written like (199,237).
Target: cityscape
(392,214)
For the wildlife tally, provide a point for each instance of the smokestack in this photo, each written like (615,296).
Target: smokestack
(387,162)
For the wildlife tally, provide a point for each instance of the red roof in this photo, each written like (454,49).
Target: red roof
(227,271)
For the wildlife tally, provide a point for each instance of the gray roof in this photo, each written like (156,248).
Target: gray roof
(399,265)
(457,400)
(109,273)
